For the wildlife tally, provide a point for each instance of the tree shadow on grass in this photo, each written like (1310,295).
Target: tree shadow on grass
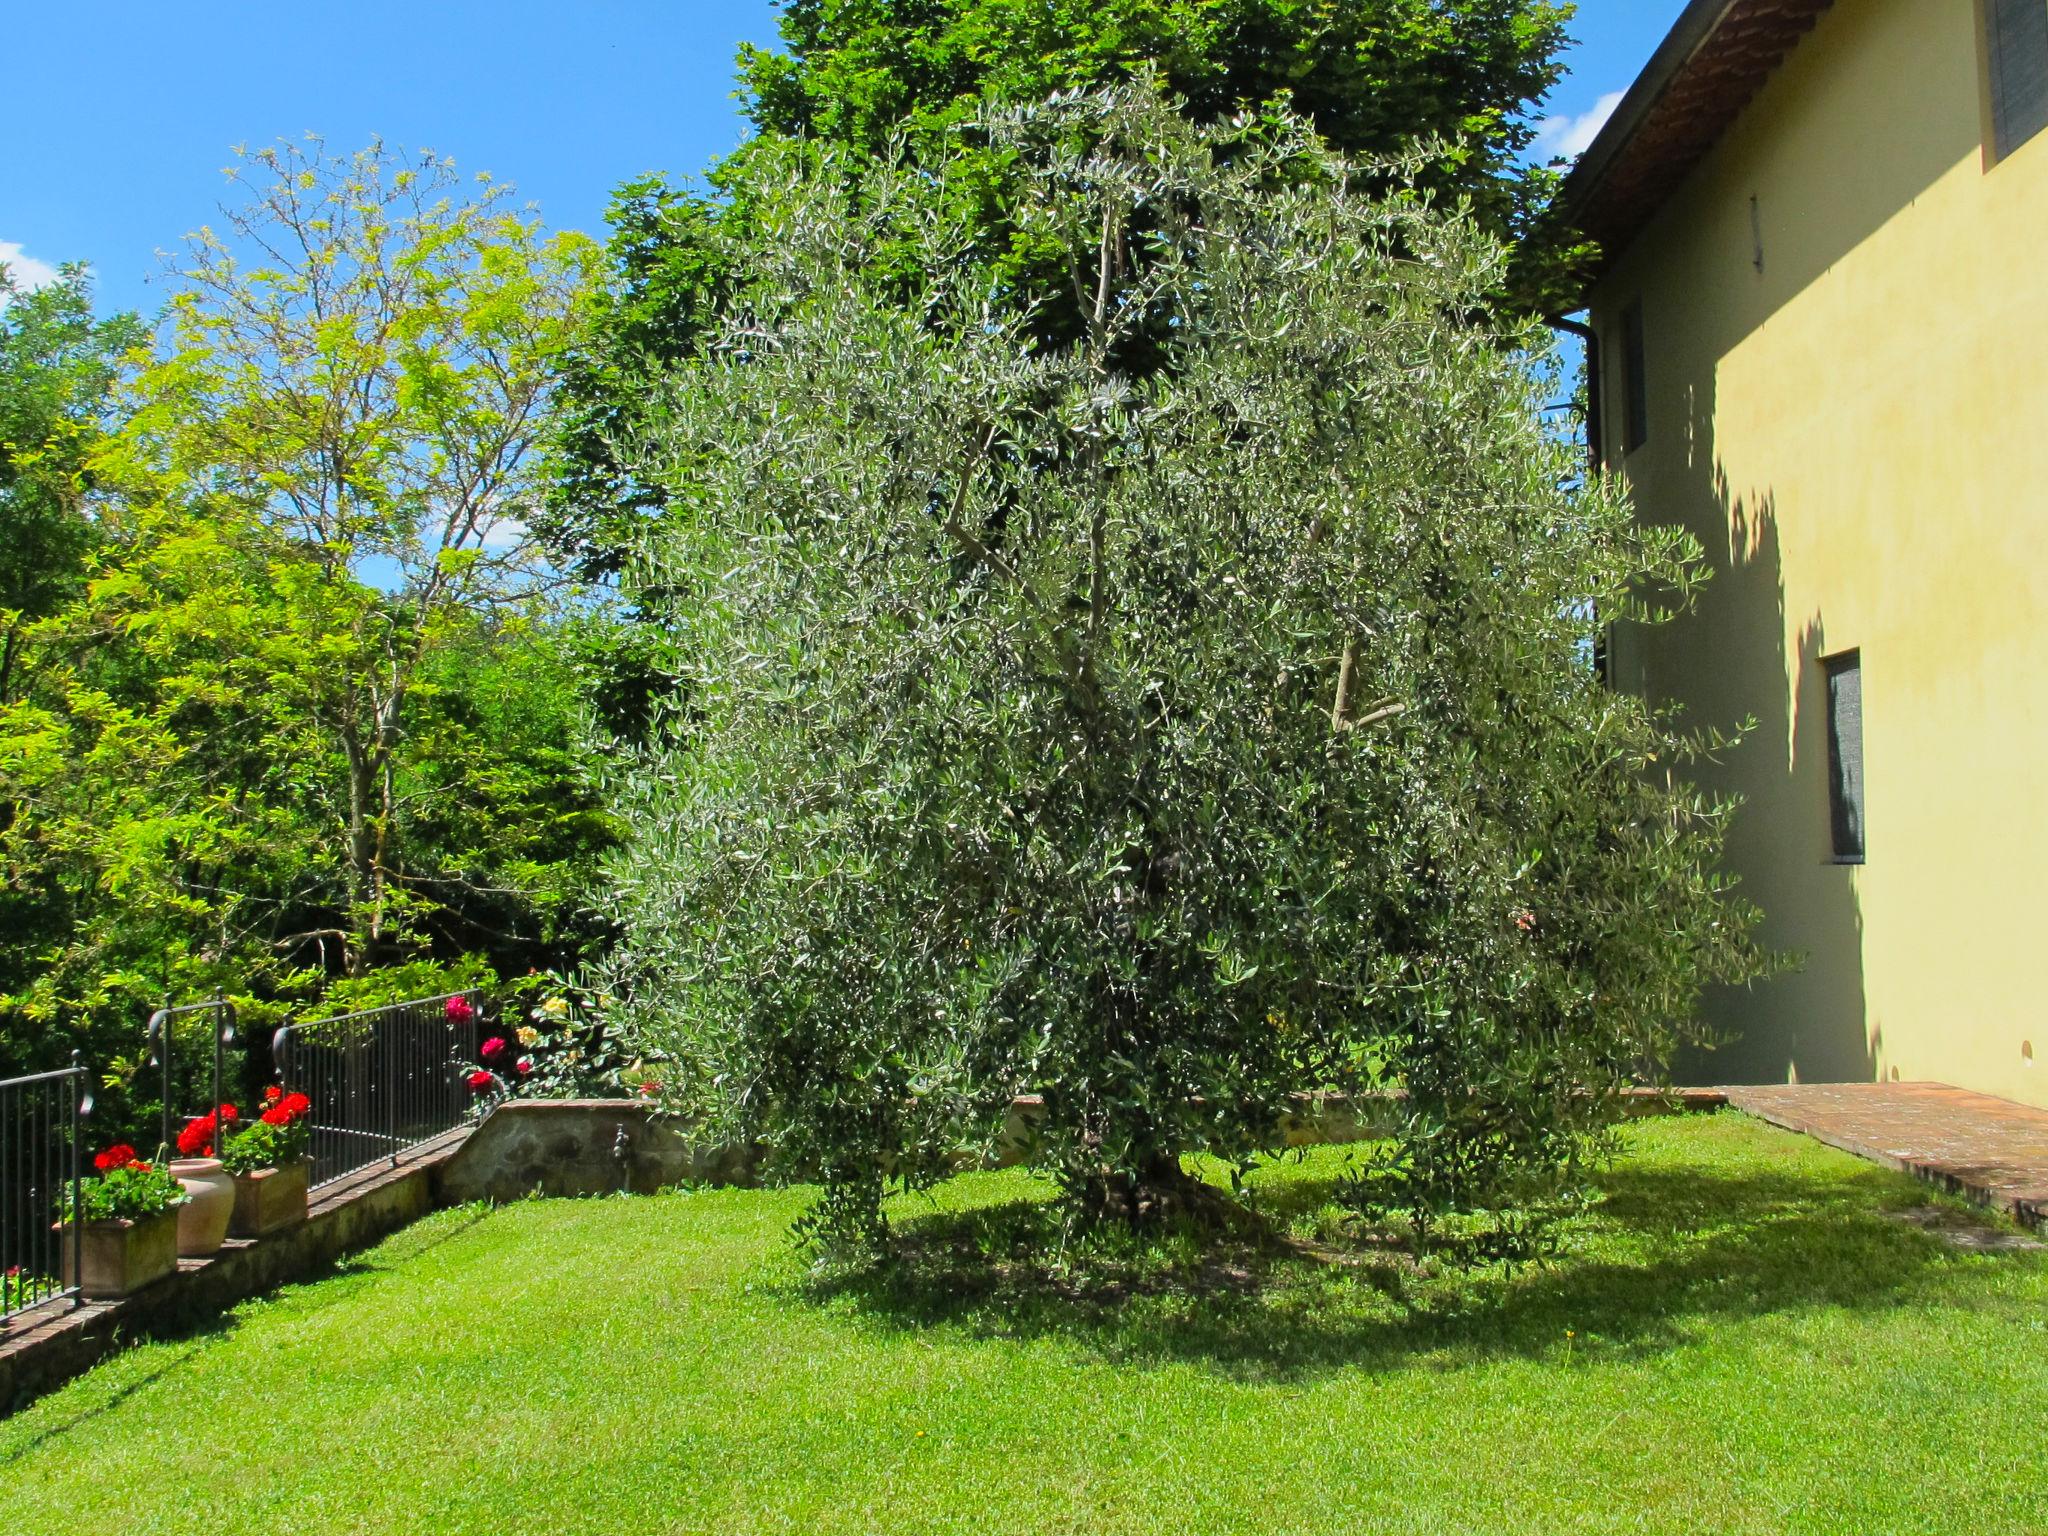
(1666,1255)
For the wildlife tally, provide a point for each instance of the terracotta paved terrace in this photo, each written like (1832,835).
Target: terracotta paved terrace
(1991,1150)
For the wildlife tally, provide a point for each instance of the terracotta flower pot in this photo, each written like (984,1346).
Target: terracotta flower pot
(269,1200)
(209,1203)
(123,1256)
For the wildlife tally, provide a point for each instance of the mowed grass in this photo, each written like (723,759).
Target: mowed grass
(1738,1338)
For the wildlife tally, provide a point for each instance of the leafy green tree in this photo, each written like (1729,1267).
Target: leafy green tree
(1161,742)
(58,365)
(358,383)
(856,76)
(1371,76)
(309,717)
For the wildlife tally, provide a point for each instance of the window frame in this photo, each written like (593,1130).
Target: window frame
(1832,667)
(1997,146)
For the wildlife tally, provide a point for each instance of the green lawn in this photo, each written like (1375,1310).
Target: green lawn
(1739,1340)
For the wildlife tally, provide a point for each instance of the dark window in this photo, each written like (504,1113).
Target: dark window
(1636,390)
(2016,32)
(1845,753)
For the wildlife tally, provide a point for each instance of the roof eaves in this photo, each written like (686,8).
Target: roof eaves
(1707,69)
(1695,24)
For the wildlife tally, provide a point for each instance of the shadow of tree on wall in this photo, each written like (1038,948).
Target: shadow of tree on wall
(1740,655)
(1811,1024)
(1668,1253)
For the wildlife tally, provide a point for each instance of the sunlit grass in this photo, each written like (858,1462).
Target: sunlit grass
(1737,1338)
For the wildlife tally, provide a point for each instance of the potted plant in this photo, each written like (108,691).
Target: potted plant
(124,1233)
(269,1161)
(209,1190)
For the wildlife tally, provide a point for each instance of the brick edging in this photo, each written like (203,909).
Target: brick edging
(1964,1182)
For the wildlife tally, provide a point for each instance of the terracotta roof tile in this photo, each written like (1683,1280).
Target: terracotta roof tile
(1718,54)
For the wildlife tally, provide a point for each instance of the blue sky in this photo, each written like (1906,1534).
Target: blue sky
(119,115)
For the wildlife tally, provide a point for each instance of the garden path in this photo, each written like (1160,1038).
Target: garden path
(1991,1150)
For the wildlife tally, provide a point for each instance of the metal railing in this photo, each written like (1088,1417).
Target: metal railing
(381,1081)
(194,1079)
(41,1164)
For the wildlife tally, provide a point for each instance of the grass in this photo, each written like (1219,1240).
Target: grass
(1739,1339)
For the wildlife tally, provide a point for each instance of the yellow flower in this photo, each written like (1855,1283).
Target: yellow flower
(527,1034)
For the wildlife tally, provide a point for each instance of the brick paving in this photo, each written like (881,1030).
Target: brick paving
(1992,1151)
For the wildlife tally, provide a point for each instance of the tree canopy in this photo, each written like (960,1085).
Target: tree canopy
(1451,81)
(58,365)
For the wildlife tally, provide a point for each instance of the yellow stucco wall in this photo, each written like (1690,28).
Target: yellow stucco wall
(1858,434)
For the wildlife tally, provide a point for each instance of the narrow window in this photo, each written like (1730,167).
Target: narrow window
(1596,402)
(2016,38)
(1635,427)
(1845,753)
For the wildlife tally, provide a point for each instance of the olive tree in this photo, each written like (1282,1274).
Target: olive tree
(1163,723)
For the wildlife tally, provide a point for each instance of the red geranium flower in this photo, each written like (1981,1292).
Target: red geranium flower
(121,1155)
(286,1109)
(459,1010)
(480,1080)
(272,1094)
(493,1048)
(196,1140)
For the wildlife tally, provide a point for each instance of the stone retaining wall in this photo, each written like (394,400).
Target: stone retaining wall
(611,1146)
(583,1147)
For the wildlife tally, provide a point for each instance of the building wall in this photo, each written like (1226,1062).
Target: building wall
(1857,432)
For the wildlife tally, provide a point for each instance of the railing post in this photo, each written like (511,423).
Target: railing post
(223,1037)
(7,1217)
(381,1036)
(81,1107)
(160,1042)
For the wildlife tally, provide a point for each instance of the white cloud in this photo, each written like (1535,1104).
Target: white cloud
(503,533)
(27,273)
(1569,137)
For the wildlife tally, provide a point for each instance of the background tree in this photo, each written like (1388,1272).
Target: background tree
(58,365)
(856,77)
(1162,742)
(361,378)
(309,718)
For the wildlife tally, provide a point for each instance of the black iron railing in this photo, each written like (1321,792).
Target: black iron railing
(41,1164)
(383,1080)
(188,1045)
